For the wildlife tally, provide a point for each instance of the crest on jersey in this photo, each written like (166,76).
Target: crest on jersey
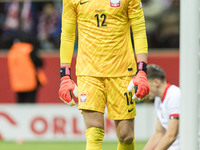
(83,98)
(115,3)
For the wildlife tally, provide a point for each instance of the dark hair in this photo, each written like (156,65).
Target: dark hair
(155,72)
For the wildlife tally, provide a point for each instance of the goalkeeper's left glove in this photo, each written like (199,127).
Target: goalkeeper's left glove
(139,82)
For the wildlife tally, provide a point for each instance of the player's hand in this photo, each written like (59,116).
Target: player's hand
(67,87)
(139,83)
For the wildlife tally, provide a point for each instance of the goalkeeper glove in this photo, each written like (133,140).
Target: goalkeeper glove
(67,86)
(139,83)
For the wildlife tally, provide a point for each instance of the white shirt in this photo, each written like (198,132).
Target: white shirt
(169,106)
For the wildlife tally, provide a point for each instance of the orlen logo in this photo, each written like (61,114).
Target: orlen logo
(9,120)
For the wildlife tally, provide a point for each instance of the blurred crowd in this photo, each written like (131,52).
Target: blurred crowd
(162,22)
(43,21)
(40,19)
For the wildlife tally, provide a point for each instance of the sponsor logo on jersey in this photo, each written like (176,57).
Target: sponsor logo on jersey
(83,98)
(115,3)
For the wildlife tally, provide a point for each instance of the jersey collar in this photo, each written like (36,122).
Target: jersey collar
(165,92)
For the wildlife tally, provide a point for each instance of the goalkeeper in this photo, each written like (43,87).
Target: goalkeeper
(167,106)
(105,65)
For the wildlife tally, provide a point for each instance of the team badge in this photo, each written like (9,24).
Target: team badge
(115,3)
(83,98)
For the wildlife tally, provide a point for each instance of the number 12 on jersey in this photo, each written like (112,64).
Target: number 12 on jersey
(101,24)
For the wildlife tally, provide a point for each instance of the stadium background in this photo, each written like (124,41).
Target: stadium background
(51,120)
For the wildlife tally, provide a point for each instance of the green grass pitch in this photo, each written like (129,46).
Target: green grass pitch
(60,146)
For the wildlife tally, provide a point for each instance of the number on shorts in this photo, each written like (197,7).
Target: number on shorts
(128,98)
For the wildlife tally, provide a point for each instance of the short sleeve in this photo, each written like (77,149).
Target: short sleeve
(173,105)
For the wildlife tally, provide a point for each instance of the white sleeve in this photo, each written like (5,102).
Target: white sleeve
(173,104)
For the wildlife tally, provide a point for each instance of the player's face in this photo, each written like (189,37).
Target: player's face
(153,89)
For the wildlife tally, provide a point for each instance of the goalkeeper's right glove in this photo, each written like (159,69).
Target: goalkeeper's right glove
(67,86)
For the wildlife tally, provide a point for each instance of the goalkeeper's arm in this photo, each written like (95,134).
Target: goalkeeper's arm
(67,42)
(67,86)
(139,81)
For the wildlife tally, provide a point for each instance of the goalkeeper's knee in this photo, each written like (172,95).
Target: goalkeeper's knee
(94,138)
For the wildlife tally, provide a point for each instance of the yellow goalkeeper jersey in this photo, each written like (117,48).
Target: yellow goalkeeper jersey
(104,40)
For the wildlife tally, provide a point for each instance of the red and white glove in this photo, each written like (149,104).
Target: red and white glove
(139,83)
(67,86)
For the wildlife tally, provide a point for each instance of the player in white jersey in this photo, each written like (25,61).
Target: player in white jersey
(167,106)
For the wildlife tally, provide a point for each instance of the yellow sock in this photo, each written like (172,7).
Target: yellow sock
(122,146)
(94,138)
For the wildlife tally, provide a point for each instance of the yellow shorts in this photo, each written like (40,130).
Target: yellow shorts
(94,93)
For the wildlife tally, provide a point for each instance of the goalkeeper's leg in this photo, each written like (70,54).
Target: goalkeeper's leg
(125,134)
(94,122)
